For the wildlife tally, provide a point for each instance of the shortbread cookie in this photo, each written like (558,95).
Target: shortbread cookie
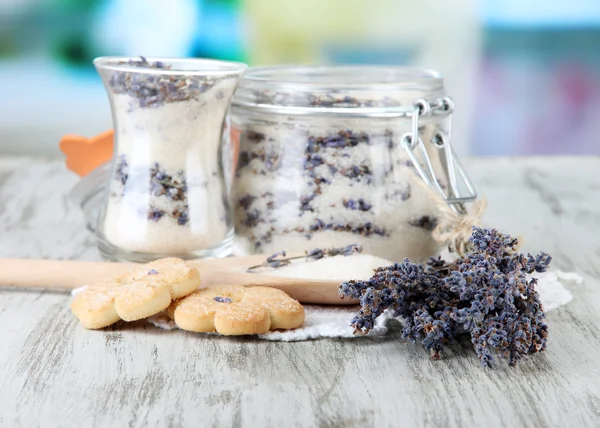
(146,291)
(237,310)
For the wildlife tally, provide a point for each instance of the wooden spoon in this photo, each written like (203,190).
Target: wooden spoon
(65,275)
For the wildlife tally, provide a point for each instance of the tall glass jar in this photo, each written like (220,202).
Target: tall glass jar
(326,158)
(167,193)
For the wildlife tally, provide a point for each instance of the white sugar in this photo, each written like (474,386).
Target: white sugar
(551,290)
(275,178)
(337,268)
(182,140)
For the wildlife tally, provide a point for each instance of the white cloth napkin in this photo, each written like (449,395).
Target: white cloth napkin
(334,321)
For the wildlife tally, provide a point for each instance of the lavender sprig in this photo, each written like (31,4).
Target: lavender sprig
(279,259)
(487,293)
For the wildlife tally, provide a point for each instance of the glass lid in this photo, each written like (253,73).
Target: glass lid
(339,87)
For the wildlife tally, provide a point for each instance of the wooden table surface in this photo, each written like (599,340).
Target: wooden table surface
(54,373)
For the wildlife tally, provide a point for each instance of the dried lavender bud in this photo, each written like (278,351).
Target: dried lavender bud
(487,293)
(336,141)
(246,200)
(277,263)
(271,159)
(315,254)
(274,256)
(181,215)
(379,231)
(222,299)
(343,138)
(319,225)
(183,219)
(268,157)
(155,214)
(426,222)
(174,187)
(358,172)
(252,218)
(313,161)
(257,137)
(357,205)
(272,261)
(402,194)
(122,170)
(351,249)
(305,203)
(152,272)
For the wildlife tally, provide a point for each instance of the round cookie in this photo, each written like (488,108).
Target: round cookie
(237,310)
(141,293)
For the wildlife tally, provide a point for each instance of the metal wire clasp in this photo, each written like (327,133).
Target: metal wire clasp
(457,192)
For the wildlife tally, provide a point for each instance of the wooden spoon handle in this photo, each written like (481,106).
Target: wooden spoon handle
(70,274)
(57,274)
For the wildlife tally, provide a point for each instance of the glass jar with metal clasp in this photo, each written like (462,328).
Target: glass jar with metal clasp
(328,157)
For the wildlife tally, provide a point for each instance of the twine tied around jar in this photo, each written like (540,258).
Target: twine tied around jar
(453,229)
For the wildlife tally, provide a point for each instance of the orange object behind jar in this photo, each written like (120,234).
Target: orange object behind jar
(86,154)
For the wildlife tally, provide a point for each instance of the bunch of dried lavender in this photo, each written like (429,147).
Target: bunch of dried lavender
(279,259)
(487,293)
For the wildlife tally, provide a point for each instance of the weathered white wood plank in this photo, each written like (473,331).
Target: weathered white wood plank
(56,374)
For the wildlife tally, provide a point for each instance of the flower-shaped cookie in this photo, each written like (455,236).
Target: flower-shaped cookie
(237,310)
(146,291)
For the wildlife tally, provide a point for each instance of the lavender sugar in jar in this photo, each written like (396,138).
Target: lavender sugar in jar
(327,159)
(167,193)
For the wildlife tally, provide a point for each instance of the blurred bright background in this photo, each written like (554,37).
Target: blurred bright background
(524,74)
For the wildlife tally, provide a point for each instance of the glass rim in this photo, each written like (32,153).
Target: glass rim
(384,76)
(288,89)
(196,66)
